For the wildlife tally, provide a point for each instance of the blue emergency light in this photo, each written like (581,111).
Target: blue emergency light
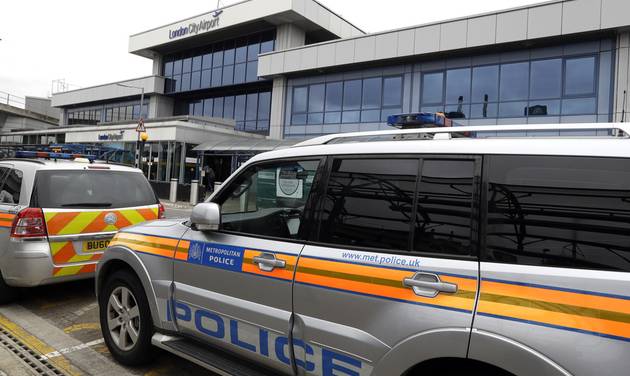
(419,120)
(51,155)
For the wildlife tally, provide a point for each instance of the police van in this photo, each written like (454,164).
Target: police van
(463,250)
(58,214)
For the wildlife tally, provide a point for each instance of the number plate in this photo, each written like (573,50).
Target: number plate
(95,245)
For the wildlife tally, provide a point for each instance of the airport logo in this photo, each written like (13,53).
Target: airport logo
(197,27)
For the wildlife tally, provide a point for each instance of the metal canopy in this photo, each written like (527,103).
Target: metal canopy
(244,145)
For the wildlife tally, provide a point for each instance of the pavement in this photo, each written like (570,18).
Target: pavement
(58,325)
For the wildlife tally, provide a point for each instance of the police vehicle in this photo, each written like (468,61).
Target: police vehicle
(59,211)
(398,252)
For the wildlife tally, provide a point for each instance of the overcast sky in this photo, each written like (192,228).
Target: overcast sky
(85,42)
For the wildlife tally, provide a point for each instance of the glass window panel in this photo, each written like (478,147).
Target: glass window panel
(168,68)
(432,109)
(239,107)
(116,114)
(136,111)
(457,85)
(177,67)
(195,80)
(191,108)
(266,46)
(388,112)
(241,51)
(433,87)
(252,106)
(334,91)
(543,107)
(185,82)
(129,114)
(207,61)
(444,221)
(546,79)
(207,107)
(228,74)
(218,107)
(483,110)
(300,97)
(228,54)
(252,50)
(351,117)
(187,65)
(198,111)
(262,125)
(250,125)
(217,58)
(514,81)
(316,118)
(239,73)
(579,106)
(458,111)
(298,119)
(228,107)
(580,76)
(485,84)
(332,117)
(177,83)
(513,109)
(217,75)
(264,105)
(316,98)
(368,202)
(392,91)
(352,95)
(206,78)
(370,116)
(196,63)
(372,92)
(252,71)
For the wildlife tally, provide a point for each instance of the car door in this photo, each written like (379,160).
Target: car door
(556,266)
(233,287)
(392,276)
(10,188)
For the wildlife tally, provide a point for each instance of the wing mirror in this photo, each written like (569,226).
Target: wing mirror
(206,216)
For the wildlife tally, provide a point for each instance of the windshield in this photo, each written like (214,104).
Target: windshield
(91,189)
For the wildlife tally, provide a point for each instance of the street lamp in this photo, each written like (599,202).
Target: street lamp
(137,163)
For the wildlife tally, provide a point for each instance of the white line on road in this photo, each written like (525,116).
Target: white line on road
(68,350)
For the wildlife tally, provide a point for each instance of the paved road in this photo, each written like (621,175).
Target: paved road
(64,319)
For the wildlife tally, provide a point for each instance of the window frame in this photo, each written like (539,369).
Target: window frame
(3,180)
(314,238)
(310,203)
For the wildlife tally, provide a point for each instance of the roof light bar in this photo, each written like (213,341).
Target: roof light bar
(51,155)
(423,120)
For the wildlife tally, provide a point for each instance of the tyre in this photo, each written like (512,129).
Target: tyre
(126,319)
(7,293)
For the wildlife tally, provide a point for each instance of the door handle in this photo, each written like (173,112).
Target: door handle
(429,285)
(267,262)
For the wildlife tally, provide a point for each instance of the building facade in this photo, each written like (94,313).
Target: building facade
(293,69)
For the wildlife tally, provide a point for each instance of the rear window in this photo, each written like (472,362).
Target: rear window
(91,189)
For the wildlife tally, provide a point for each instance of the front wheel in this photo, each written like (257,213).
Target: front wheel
(126,319)
(7,293)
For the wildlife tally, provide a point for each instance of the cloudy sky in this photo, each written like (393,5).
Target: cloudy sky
(85,42)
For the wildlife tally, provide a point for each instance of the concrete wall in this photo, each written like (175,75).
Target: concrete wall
(151,85)
(555,18)
(41,106)
(161,106)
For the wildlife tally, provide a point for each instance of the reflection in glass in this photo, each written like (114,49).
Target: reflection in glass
(457,86)
(514,81)
(546,79)
(485,84)
(580,76)
(432,87)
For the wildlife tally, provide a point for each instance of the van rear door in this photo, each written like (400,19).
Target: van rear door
(85,208)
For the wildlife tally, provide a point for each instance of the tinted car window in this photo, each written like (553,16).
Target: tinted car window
(369,202)
(559,211)
(444,213)
(10,192)
(268,199)
(92,189)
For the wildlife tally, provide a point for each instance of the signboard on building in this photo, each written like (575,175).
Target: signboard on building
(195,28)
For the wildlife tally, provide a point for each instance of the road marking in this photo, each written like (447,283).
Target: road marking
(68,350)
(84,310)
(84,326)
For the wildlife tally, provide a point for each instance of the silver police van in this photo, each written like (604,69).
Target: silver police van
(448,251)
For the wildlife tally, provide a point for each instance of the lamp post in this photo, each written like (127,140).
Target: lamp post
(141,88)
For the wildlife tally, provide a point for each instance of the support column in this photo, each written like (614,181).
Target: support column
(622,77)
(277,121)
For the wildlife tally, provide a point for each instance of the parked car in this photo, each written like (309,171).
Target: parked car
(400,252)
(57,217)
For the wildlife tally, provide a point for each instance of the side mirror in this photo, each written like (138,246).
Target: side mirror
(206,216)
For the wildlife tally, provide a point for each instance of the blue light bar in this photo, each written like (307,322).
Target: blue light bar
(51,155)
(419,120)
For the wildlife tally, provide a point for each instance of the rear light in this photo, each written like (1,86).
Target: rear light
(160,211)
(29,223)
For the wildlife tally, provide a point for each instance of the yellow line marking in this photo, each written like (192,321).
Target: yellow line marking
(84,326)
(36,344)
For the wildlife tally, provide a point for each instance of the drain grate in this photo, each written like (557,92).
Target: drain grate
(29,356)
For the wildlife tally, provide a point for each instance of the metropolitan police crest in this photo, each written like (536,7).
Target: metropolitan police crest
(110,218)
(195,252)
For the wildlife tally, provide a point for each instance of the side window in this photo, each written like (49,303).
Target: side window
(268,199)
(559,211)
(10,192)
(444,213)
(369,203)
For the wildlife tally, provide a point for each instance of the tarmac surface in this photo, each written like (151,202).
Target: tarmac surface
(56,330)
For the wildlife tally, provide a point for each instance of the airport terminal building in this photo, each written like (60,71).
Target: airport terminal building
(263,74)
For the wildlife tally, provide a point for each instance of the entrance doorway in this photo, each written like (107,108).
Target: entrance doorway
(220,164)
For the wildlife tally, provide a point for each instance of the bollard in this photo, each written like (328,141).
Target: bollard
(173,193)
(194,192)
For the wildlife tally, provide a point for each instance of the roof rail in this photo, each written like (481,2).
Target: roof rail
(461,131)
